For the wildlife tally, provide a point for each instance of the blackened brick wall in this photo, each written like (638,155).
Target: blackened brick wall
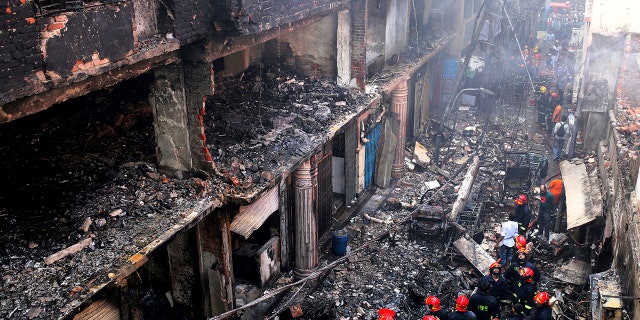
(20,56)
(193,19)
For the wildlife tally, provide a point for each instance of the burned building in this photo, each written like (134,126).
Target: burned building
(159,155)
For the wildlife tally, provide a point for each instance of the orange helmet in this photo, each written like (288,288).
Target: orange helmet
(521,242)
(521,199)
(526,274)
(495,265)
(433,303)
(386,314)
(554,94)
(429,317)
(462,303)
(541,298)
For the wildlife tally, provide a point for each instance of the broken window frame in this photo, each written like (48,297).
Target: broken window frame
(49,7)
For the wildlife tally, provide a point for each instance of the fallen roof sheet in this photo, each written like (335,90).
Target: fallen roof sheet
(251,217)
(477,256)
(581,190)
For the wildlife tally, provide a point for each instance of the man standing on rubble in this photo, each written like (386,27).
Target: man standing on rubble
(542,309)
(525,289)
(522,213)
(558,137)
(433,303)
(499,286)
(513,272)
(483,304)
(544,215)
(461,311)
(506,241)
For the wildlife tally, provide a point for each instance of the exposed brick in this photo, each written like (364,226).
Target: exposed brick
(55,26)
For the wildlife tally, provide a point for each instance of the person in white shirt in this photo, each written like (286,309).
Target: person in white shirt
(506,242)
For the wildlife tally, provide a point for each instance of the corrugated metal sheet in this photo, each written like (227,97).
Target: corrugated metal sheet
(105,309)
(251,217)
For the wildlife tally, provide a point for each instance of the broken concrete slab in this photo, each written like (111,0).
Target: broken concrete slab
(421,155)
(476,255)
(606,290)
(582,208)
(575,272)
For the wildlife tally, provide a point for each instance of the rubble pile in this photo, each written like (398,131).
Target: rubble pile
(77,182)
(259,121)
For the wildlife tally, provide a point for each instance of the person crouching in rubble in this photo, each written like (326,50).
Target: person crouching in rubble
(483,304)
(386,314)
(517,312)
(542,309)
(461,311)
(513,272)
(433,303)
(506,241)
(523,213)
(499,286)
(525,289)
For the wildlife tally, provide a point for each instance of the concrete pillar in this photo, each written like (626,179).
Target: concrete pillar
(306,230)
(199,85)
(344,48)
(359,9)
(167,97)
(399,107)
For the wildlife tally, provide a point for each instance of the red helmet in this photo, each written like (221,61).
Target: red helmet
(521,199)
(541,298)
(462,303)
(386,314)
(433,303)
(521,242)
(429,317)
(495,265)
(526,274)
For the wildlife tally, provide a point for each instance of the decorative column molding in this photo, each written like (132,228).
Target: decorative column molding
(306,231)
(399,107)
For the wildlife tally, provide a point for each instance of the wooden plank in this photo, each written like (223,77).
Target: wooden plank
(474,253)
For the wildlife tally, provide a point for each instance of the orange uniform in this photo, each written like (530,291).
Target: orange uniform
(556,187)
(557,114)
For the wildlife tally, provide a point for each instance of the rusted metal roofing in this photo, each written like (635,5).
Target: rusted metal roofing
(251,217)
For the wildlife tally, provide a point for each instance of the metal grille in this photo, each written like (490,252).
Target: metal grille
(350,162)
(325,194)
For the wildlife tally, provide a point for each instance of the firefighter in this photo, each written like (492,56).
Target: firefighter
(542,100)
(521,243)
(523,213)
(483,304)
(513,272)
(499,285)
(433,303)
(525,289)
(542,310)
(517,312)
(461,312)
(386,314)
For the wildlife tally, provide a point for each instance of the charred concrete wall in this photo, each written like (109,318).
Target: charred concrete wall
(20,57)
(251,16)
(314,48)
